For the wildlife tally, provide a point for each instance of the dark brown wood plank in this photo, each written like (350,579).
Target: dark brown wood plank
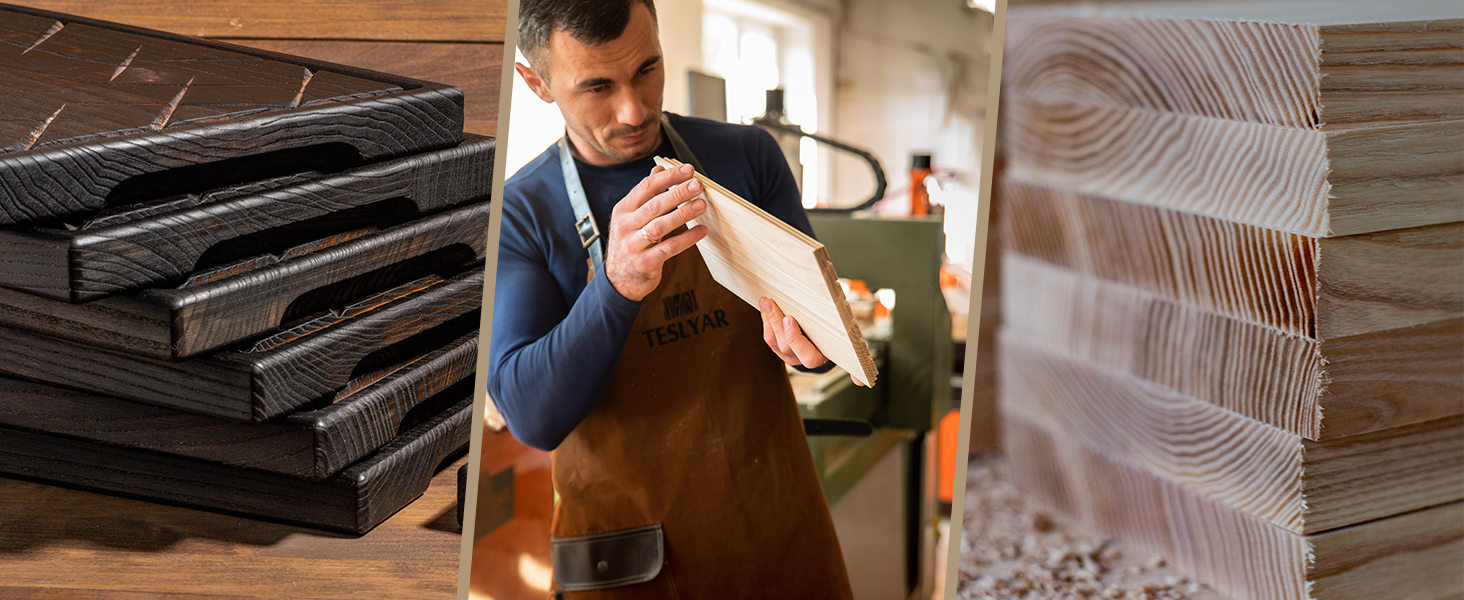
(102,99)
(173,324)
(354,501)
(441,20)
(280,374)
(314,444)
(131,247)
(473,67)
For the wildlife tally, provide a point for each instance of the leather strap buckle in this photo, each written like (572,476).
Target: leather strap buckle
(588,230)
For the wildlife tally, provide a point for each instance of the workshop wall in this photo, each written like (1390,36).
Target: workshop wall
(453,42)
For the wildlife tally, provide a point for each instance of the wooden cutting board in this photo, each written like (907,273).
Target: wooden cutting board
(274,376)
(95,114)
(756,255)
(241,300)
(354,501)
(313,444)
(130,247)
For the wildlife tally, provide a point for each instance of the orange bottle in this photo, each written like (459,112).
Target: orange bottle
(919,197)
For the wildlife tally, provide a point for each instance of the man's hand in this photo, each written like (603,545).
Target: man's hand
(637,251)
(786,338)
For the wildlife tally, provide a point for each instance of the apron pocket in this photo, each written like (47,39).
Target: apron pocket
(605,560)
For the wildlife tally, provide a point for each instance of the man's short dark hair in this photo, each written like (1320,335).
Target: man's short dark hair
(590,22)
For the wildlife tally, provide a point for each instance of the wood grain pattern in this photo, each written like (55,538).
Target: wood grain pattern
(150,244)
(472,67)
(354,501)
(1314,389)
(279,375)
(1309,76)
(94,110)
(755,256)
(313,444)
(315,19)
(1302,486)
(1413,556)
(1315,183)
(1323,288)
(173,324)
(66,544)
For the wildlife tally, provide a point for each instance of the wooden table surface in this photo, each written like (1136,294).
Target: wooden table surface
(60,543)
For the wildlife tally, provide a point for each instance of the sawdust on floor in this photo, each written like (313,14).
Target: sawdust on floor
(1016,550)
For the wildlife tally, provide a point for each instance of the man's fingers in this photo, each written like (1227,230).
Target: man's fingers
(660,226)
(653,185)
(672,246)
(801,347)
(667,201)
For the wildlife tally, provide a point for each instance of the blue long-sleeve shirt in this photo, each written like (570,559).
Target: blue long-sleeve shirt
(557,341)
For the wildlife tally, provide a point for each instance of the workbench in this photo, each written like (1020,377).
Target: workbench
(59,543)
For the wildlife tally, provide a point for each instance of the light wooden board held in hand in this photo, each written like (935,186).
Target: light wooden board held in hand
(756,256)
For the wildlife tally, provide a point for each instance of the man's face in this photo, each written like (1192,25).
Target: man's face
(610,94)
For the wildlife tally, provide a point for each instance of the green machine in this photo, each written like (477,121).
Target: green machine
(881,487)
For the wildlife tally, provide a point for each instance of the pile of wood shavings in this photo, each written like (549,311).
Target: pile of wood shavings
(1013,550)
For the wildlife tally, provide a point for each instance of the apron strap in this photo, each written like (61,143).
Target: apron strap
(584,221)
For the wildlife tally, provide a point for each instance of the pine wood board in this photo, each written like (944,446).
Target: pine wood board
(755,255)
(311,444)
(66,544)
(157,243)
(1362,67)
(434,20)
(1300,485)
(473,67)
(97,114)
(1322,288)
(354,501)
(289,371)
(234,302)
(1315,389)
(1414,556)
(1314,183)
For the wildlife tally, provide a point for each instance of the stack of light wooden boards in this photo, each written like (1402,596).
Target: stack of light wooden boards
(232,279)
(1233,287)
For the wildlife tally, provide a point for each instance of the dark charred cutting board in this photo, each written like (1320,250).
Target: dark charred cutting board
(354,501)
(314,444)
(95,113)
(294,369)
(140,245)
(238,301)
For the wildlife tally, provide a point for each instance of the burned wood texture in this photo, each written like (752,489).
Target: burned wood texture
(314,444)
(354,501)
(126,248)
(97,114)
(296,368)
(251,297)
(755,255)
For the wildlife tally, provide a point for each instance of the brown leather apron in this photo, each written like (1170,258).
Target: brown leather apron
(698,433)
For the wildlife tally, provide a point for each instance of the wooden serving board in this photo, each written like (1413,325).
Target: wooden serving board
(126,248)
(281,374)
(95,113)
(313,444)
(354,501)
(234,302)
(757,256)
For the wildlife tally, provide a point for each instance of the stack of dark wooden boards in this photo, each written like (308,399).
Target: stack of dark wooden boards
(230,279)
(1233,285)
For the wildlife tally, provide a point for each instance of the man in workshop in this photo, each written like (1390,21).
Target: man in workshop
(680,461)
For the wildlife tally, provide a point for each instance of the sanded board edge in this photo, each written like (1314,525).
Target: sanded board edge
(831,328)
